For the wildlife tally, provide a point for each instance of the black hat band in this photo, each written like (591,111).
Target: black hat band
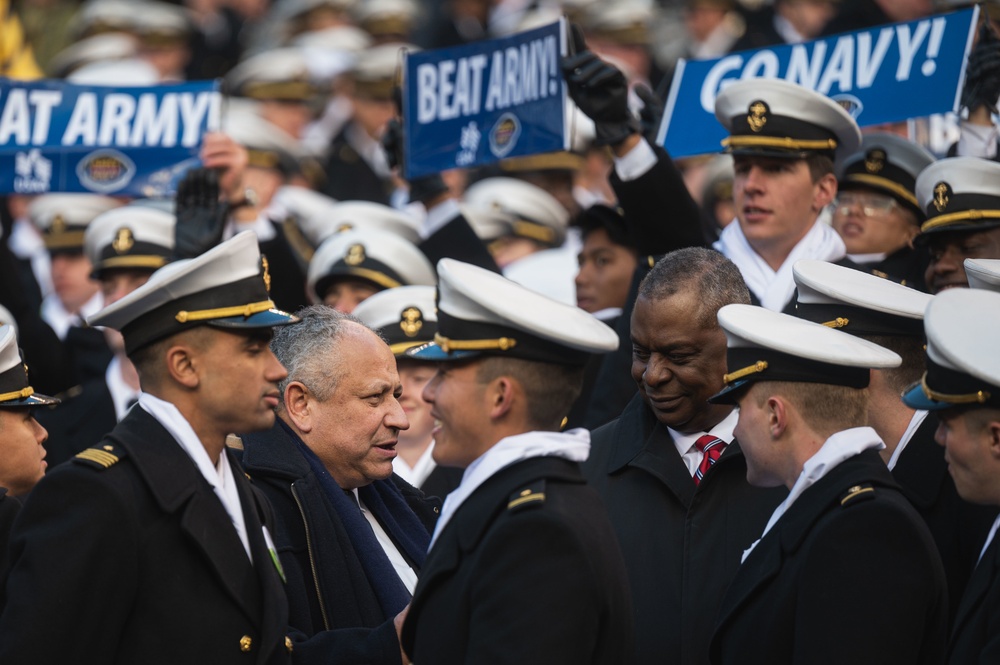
(494,339)
(943,384)
(859,320)
(761,364)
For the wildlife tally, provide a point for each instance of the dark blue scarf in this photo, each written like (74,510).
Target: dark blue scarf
(384,500)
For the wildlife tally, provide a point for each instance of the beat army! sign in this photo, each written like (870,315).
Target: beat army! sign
(481,102)
(59,137)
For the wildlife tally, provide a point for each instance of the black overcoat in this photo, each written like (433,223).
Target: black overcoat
(128,557)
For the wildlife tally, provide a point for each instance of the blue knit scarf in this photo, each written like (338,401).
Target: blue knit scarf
(384,500)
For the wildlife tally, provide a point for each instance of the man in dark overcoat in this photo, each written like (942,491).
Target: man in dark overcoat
(845,570)
(523,566)
(151,547)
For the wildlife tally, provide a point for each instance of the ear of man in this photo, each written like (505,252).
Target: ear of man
(298,401)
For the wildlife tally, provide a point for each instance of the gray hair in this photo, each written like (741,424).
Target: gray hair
(309,349)
(716,279)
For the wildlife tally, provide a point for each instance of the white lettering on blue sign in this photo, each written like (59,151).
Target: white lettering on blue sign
(853,63)
(450,89)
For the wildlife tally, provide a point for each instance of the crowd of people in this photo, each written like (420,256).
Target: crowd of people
(591,406)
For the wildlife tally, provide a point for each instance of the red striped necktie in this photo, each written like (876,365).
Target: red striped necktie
(711,448)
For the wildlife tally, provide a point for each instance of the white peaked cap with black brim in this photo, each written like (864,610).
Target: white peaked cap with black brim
(226,287)
(857,302)
(483,313)
(963,356)
(768,346)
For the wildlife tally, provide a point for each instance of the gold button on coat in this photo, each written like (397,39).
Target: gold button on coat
(288,643)
(245,643)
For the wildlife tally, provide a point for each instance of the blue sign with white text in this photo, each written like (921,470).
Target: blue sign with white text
(884,74)
(482,102)
(135,141)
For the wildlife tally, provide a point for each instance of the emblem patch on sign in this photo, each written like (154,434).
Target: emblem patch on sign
(504,135)
(849,103)
(105,171)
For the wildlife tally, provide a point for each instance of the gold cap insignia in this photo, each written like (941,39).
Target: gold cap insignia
(757,117)
(267,274)
(346,226)
(875,160)
(942,194)
(58,224)
(355,255)
(411,321)
(124,240)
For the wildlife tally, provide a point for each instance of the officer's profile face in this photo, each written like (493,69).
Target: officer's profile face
(460,408)
(753,432)
(971,438)
(238,377)
(22,462)
(414,375)
(678,360)
(777,200)
(605,275)
(948,251)
(870,222)
(346,294)
(354,431)
(116,284)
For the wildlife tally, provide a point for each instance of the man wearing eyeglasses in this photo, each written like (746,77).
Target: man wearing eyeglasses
(876,212)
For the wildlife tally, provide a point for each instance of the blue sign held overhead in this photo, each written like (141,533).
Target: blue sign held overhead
(884,74)
(482,102)
(136,141)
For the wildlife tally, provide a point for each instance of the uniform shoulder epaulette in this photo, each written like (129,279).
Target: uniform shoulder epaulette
(103,456)
(532,495)
(857,493)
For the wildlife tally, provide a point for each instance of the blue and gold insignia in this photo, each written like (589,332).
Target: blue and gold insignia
(102,456)
(124,240)
(105,171)
(532,495)
(355,255)
(504,135)
(857,493)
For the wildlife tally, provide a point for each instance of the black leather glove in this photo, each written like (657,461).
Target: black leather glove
(601,92)
(982,75)
(421,189)
(201,215)
(651,113)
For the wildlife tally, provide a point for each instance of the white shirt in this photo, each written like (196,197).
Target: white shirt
(219,476)
(121,392)
(915,422)
(27,244)
(689,453)
(262,226)
(839,447)
(60,320)
(406,574)
(573,445)
(774,288)
(417,474)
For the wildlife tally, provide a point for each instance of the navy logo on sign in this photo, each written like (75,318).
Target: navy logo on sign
(504,135)
(105,171)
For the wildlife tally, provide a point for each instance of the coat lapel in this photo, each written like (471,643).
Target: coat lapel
(174,479)
(983,577)
(921,468)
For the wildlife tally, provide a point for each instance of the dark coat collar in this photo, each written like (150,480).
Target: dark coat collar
(921,468)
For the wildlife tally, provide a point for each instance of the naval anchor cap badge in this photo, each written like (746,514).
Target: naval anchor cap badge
(411,321)
(942,194)
(124,240)
(757,115)
(355,255)
(875,160)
